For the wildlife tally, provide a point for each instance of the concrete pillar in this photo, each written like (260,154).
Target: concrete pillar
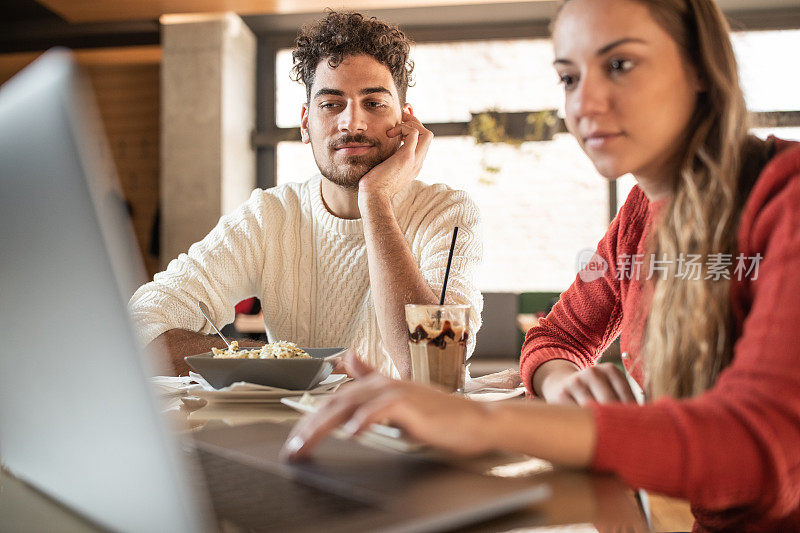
(208,110)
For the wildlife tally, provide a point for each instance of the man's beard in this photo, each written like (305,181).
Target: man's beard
(349,173)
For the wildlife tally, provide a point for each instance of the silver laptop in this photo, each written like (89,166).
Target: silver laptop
(78,420)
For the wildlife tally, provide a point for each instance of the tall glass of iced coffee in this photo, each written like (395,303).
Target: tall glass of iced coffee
(437,340)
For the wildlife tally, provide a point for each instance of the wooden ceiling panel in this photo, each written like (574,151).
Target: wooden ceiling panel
(81,11)
(78,11)
(10,64)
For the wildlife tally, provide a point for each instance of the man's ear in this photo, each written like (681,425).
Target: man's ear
(408,109)
(304,136)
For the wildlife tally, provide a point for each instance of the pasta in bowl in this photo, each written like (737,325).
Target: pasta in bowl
(279,364)
(272,350)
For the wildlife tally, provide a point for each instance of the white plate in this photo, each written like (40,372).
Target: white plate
(268,394)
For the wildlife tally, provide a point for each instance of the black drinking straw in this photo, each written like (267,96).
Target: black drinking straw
(449,260)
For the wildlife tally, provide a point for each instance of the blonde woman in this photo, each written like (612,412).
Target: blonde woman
(699,274)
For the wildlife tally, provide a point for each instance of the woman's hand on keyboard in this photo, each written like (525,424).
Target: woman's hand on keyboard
(428,415)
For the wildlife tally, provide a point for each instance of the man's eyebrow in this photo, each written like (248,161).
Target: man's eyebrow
(367,90)
(373,90)
(329,92)
(604,50)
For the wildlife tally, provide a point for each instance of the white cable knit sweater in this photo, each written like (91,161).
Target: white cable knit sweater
(309,268)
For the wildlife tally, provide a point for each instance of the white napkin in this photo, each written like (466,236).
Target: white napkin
(505,379)
(494,387)
(168,386)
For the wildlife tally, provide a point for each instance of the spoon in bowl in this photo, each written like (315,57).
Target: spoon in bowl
(206,313)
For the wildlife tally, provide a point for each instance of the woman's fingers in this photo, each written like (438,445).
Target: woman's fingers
(581,392)
(620,384)
(601,389)
(565,398)
(377,411)
(427,415)
(602,384)
(314,427)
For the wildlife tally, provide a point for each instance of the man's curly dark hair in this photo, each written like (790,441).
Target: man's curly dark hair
(339,35)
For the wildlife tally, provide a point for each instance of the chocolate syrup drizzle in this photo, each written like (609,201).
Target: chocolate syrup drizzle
(419,334)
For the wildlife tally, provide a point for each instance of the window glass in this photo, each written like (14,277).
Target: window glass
(789,134)
(295,162)
(768,69)
(289,95)
(454,79)
(540,205)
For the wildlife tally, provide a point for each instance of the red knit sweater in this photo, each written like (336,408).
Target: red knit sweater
(734,451)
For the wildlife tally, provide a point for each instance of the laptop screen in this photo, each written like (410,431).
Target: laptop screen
(77,419)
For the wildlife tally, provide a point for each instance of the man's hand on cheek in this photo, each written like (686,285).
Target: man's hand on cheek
(398,170)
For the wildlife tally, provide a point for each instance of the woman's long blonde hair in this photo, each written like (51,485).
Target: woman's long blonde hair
(689,333)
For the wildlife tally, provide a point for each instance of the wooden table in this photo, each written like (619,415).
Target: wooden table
(577,497)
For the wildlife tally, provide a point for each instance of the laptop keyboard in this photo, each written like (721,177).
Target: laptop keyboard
(258,500)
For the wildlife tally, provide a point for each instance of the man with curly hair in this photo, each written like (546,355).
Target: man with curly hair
(333,259)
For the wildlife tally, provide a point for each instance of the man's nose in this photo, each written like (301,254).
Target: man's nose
(352,119)
(591,97)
